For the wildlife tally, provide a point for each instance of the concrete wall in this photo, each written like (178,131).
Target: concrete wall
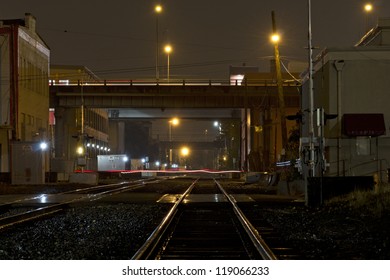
(359,85)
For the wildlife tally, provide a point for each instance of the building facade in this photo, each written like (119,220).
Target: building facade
(351,85)
(24,91)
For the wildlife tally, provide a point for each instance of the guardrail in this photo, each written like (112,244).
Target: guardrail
(174,82)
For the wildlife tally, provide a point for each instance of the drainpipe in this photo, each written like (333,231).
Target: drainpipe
(339,65)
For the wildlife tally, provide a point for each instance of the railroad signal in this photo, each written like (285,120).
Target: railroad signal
(297,117)
(329,117)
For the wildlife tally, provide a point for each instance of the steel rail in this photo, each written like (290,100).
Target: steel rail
(137,183)
(260,245)
(31,215)
(41,212)
(124,186)
(147,249)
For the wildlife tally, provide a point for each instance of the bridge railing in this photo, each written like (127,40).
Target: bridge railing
(175,82)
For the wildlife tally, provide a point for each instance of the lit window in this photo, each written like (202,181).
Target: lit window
(236,79)
(63,82)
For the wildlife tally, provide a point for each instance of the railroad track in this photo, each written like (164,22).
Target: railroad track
(34,213)
(205,230)
(278,245)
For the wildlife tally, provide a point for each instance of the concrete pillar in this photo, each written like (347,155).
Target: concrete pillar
(117,137)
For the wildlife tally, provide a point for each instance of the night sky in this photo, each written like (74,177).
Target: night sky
(118,38)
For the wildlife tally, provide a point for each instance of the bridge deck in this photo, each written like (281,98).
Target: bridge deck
(210,95)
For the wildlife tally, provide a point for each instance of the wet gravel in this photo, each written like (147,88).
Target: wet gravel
(98,232)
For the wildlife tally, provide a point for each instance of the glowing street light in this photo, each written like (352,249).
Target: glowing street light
(168,50)
(80,150)
(185,151)
(172,122)
(43,146)
(275,38)
(368,8)
(158,9)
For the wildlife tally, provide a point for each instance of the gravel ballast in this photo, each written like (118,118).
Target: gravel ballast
(97,232)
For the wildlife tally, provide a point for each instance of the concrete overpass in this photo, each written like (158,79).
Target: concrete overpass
(208,99)
(258,94)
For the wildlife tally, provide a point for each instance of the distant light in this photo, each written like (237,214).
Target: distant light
(43,146)
(216,124)
(80,150)
(158,9)
(157,163)
(125,159)
(174,121)
(283,163)
(185,151)
(236,79)
(275,38)
(368,7)
(168,49)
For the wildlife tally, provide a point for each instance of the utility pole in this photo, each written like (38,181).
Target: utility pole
(282,109)
(311,97)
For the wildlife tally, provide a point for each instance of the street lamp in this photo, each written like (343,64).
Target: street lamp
(80,150)
(168,50)
(185,151)
(368,8)
(158,10)
(43,146)
(172,122)
(275,39)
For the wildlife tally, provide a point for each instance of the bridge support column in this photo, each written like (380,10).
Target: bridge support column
(60,133)
(256,145)
(65,128)
(260,139)
(117,137)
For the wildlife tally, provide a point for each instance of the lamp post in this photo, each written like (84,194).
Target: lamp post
(275,38)
(172,122)
(158,9)
(168,50)
(368,8)
(185,151)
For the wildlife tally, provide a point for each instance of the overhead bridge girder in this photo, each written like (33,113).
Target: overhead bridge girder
(172,96)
